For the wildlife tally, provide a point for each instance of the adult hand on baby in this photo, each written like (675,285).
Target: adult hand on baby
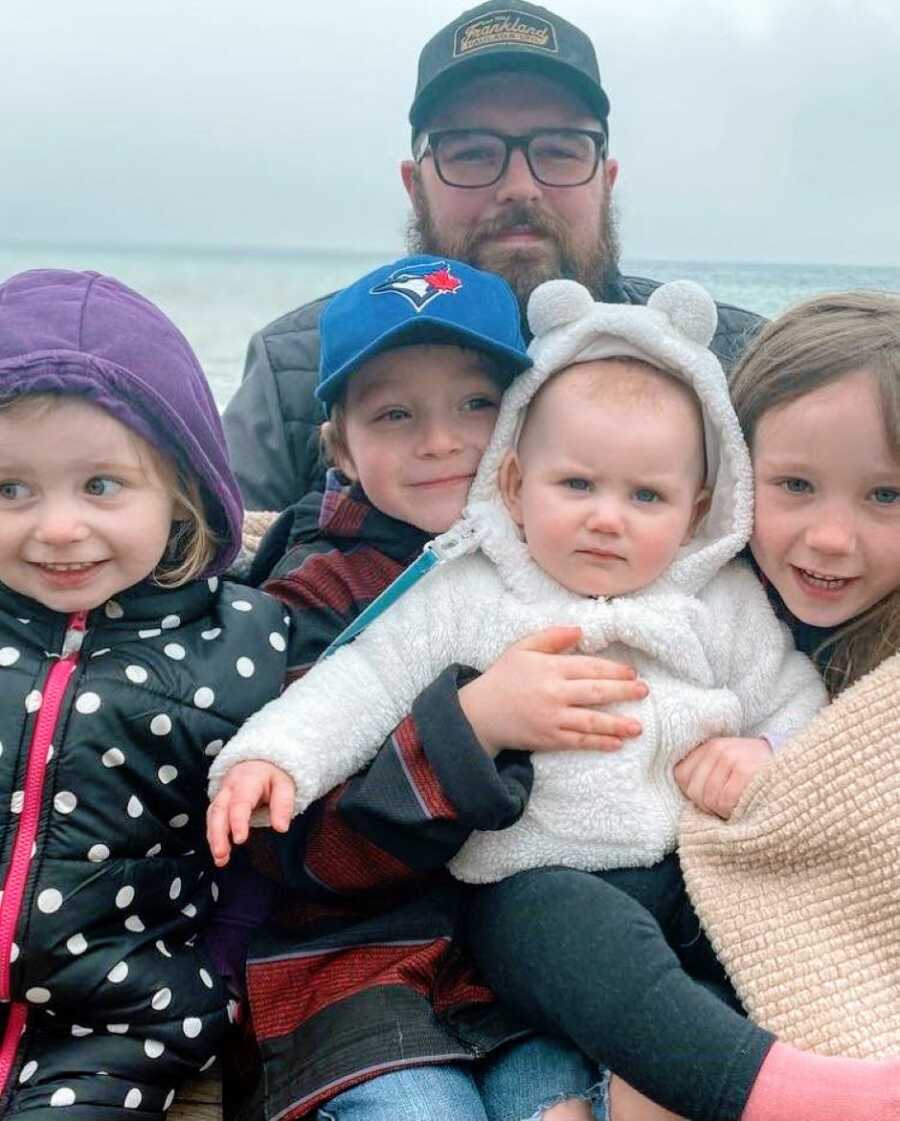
(540,696)
(714,775)
(246,787)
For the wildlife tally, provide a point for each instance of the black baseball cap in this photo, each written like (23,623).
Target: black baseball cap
(513,36)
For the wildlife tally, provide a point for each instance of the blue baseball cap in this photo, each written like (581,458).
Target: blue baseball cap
(418,300)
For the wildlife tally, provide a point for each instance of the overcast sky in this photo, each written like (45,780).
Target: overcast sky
(762,130)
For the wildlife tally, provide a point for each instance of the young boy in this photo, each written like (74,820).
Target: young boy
(614,493)
(414,359)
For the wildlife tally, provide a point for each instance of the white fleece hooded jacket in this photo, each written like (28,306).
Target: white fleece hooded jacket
(703,635)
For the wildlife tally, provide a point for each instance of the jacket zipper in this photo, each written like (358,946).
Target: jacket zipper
(26,830)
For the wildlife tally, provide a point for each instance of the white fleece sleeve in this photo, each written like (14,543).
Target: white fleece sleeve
(779,688)
(331,723)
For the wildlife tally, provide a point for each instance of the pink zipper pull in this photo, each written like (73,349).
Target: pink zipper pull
(74,636)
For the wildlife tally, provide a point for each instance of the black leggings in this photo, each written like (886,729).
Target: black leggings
(616,961)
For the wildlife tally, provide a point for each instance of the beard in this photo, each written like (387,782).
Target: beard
(595,265)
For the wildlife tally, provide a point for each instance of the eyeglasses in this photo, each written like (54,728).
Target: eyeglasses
(468,157)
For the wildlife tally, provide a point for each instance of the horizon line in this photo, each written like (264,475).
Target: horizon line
(236,250)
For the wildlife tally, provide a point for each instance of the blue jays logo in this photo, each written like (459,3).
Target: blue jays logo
(420,284)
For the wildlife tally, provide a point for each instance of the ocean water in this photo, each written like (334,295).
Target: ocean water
(220,297)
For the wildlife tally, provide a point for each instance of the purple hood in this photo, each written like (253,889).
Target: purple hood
(87,334)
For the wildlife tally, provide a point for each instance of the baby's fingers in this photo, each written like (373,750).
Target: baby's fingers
(217,835)
(281,802)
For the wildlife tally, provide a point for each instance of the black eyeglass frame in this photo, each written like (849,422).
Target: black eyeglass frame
(426,143)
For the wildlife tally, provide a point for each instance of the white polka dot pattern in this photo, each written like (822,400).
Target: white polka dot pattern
(161,725)
(161,999)
(87,703)
(118,973)
(204,697)
(77,944)
(124,897)
(49,900)
(65,802)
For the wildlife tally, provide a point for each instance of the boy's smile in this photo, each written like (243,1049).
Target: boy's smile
(412,430)
(606,483)
(85,511)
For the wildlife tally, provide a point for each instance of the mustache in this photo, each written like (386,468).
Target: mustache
(516,215)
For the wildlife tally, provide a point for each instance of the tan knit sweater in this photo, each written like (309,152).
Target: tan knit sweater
(800,890)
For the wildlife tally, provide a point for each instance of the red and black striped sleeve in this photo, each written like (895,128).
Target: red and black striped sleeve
(431,783)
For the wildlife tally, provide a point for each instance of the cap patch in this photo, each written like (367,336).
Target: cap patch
(420,284)
(505,28)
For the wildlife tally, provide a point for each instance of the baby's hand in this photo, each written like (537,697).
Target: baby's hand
(246,787)
(714,775)
(539,696)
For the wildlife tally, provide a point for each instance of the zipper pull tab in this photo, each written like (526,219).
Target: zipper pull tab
(74,636)
(460,539)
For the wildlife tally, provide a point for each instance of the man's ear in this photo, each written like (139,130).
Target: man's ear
(610,172)
(337,453)
(410,179)
(701,508)
(509,480)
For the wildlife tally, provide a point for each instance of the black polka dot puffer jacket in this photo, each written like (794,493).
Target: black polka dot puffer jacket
(107,726)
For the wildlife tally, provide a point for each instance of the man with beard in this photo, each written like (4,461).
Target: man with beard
(510,172)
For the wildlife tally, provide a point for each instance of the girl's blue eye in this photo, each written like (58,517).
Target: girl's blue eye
(393,414)
(11,489)
(646,494)
(796,486)
(886,496)
(101,487)
(577,484)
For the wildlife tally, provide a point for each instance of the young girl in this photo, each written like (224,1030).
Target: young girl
(124,666)
(818,397)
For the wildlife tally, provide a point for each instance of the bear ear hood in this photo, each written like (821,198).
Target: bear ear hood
(672,332)
(90,335)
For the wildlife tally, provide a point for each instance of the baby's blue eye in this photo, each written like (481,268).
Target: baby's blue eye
(886,496)
(476,404)
(646,494)
(577,484)
(11,489)
(101,487)
(796,486)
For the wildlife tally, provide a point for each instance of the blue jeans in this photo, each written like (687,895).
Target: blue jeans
(517,1083)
